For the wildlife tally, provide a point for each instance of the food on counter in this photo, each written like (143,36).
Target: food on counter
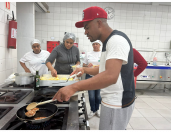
(30,113)
(71,79)
(64,78)
(51,78)
(43,78)
(38,118)
(55,78)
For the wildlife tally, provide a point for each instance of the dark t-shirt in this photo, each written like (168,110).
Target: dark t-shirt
(64,58)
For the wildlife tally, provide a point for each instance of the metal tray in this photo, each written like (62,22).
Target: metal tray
(58,82)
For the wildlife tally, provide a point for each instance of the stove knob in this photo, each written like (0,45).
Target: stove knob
(83,110)
(82,104)
(79,101)
(80,114)
(79,107)
(84,121)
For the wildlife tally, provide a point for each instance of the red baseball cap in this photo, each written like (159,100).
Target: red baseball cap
(90,14)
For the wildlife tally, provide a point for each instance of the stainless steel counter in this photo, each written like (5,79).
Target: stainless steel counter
(155,74)
(73,121)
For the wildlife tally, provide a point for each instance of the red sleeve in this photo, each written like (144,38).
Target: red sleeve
(140,61)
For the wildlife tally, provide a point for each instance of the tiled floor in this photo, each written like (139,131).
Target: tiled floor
(152,111)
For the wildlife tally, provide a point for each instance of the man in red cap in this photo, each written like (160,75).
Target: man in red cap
(114,76)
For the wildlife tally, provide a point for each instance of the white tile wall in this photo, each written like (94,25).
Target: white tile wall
(138,21)
(2,65)
(2,76)
(8,57)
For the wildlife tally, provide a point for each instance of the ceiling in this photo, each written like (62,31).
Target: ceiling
(134,2)
(165,3)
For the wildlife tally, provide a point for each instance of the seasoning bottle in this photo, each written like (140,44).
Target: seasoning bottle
(154,61)
(37,81)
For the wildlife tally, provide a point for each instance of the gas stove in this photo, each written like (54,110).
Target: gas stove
(67,118)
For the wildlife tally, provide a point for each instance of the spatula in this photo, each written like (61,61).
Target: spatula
(34,104)
(73,76)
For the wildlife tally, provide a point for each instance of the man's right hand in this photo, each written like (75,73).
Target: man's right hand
(27,70)
(54,73)
(81,69)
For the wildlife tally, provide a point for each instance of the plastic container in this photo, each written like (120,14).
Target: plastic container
(155,61)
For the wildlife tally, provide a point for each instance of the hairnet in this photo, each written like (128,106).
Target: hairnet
(97,41)
(35,41)
(69,36)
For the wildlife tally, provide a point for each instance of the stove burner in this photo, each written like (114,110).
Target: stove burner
(13,96)
(4,110)
(8,99)
(44,95)
(41,126)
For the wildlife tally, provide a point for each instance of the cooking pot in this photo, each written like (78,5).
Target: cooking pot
(24,78)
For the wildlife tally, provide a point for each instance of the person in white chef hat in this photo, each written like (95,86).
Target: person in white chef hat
(36,59)
(92,59)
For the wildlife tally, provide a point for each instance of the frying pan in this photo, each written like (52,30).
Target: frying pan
(47,110)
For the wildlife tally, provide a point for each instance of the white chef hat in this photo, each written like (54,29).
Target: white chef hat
(69,35)
(97,41)
(35,41)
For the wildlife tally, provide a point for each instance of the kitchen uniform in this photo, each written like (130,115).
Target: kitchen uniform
(94,95)
(117,99)
(36,61)
(92,57)
(64,58)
